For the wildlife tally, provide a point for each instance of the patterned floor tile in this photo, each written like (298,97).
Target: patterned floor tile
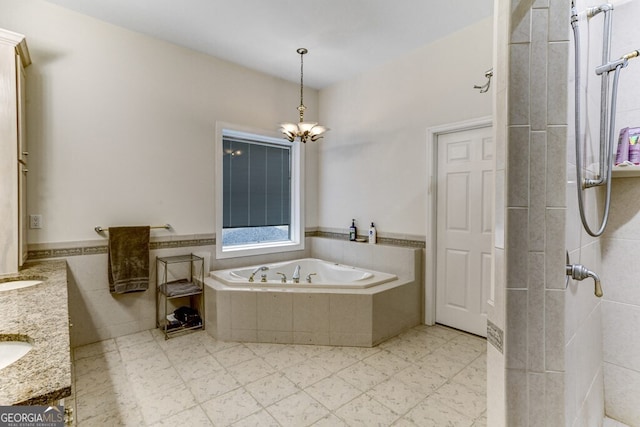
(462,399)
(333,392)
(194,416)
(164,403)
(251,370)
(299,409)
(203,367)
(216,384)
(365,411)
(271,389)
(387,362)
(396,395)
(231,407)
(306,373)
(362,376)
(428,376)
(134,339)
(473,378)
(421,379)
(259,419)
(330,421)
(234,355)
(431,413)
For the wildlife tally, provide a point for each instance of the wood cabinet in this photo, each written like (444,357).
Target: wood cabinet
(14,58)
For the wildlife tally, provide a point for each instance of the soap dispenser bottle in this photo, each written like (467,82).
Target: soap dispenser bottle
(372,234)
(353,231)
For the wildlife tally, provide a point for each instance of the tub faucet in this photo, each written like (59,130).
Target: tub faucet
(296,274)
(262,268)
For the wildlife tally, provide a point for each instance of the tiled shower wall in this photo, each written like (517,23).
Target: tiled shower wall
(612,375)
(621,304)
(620,243)
(554,336)
(534,119)
(620,270)
(584,404)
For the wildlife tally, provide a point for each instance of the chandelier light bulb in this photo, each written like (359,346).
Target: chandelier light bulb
(302,130)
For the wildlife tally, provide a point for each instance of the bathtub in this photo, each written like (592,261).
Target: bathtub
(314,273)
(343,305)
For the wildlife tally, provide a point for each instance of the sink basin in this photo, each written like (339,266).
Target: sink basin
(17,284)
(12,351)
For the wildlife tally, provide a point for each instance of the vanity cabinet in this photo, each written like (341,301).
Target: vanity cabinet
(14,58)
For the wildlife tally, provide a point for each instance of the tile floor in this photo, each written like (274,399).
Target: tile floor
(608,422)
(428,376)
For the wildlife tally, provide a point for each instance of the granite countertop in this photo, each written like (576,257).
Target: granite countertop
(40,315)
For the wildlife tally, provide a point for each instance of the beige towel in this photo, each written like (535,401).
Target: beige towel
(128,259)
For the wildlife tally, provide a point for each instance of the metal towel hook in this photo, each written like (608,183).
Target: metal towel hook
(485,88)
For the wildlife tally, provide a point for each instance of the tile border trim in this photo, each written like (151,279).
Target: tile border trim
(102,249)
(92,249)
(392,241)
(495,336)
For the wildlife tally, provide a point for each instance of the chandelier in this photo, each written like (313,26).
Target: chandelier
(303,130)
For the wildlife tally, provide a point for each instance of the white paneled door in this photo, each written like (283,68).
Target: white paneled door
(464,228)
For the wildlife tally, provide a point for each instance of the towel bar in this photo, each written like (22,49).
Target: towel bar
(101,230)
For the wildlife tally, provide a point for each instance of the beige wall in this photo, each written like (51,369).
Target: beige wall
(122,126)
(121,131)
(373,163)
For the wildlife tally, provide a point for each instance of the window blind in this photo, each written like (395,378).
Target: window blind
(256,183)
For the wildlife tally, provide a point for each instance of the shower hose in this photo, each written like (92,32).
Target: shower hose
(609,145)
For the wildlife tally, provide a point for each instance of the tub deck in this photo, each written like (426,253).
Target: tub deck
(302,314)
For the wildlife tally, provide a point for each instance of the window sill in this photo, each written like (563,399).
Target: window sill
(262,249)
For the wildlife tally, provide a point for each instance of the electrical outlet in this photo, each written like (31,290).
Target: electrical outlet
(35,221)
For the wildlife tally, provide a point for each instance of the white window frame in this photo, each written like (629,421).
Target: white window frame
(297,227)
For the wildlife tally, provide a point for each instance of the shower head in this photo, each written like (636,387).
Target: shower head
(619,63)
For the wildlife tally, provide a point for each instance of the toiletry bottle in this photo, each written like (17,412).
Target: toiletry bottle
(372,234)
(622,154)
(353,231)
(634,146)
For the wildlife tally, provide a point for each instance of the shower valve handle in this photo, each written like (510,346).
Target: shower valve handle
(598,291)
(580,272)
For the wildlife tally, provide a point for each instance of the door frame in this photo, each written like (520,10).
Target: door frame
(431,226)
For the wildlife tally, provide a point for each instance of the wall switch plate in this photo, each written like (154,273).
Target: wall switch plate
(35,221)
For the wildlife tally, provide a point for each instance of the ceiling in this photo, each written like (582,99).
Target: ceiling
(344,37)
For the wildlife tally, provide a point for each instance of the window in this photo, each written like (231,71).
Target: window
(258,193)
